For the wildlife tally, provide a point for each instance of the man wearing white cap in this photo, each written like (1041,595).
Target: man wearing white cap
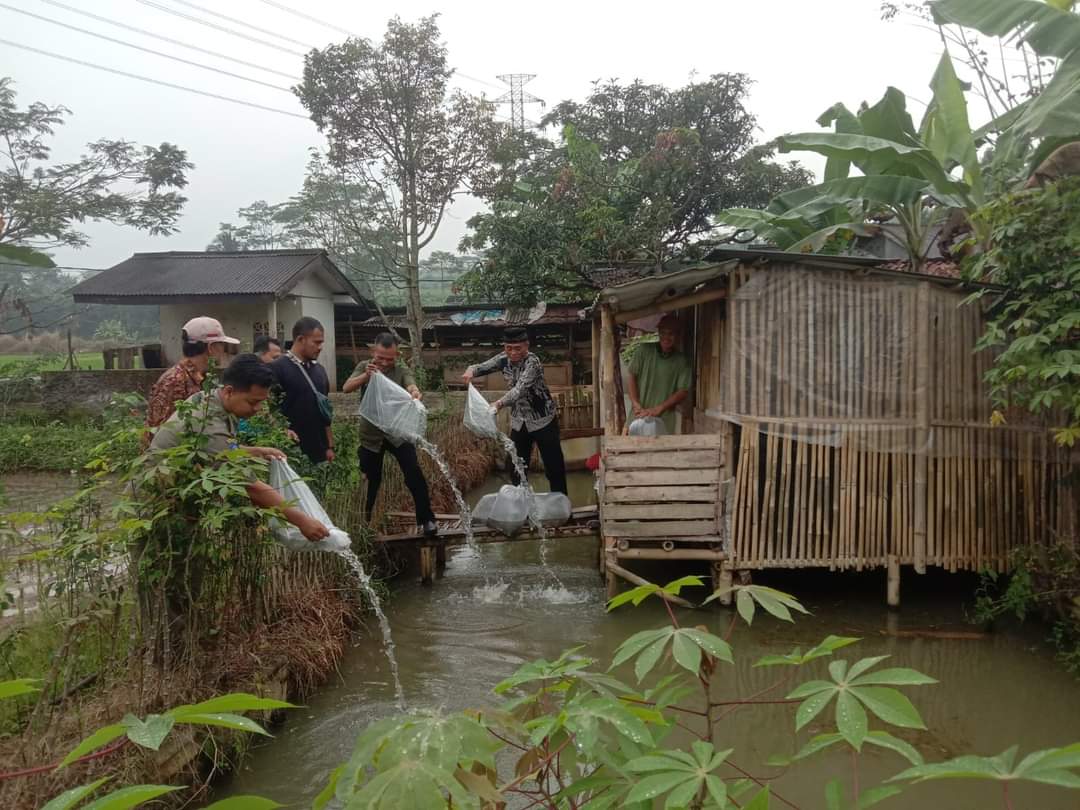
(202,338)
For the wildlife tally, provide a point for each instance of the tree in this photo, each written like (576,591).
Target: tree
(397,132)
(266,227)
(1034,323)
(638,174)
(114,181)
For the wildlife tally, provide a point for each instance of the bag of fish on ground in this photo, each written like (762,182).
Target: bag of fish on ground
(480,415)
(551,509)
(509,511)
(298,494)
(649,426)
(393,410)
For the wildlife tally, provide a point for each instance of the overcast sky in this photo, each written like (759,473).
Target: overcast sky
(803,56)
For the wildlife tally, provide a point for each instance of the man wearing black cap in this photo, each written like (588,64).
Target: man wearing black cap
(533,416)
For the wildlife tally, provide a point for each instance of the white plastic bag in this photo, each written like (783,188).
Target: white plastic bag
(647,426)
(510,511)
(552,509)
(482,510)
(480,414)
(393,410)
(297,493)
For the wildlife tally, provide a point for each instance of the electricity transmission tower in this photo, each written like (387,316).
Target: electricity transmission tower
(517,97)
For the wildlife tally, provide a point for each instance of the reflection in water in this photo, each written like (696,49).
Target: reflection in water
(456,640)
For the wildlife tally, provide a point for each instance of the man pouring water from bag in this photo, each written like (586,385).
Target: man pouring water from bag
(533,416)
(374,442)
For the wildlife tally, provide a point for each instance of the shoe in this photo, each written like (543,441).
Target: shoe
(431,528)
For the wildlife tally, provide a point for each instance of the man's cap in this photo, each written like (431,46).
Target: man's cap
(207,330)
(515,334)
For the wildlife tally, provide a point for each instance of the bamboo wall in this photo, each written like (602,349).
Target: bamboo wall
(863,426)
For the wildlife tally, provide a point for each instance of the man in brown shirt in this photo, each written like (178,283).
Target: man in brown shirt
(203,338)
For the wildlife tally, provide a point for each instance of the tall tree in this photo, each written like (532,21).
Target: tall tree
(638,174)
(396,131)
(115,181)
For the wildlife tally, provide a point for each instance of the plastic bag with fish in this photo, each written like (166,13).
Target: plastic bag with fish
(647,426)
(393,410)
(298,494)
(510,510)
(480,414)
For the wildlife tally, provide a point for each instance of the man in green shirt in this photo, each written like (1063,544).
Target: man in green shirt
(659,375)
(245,385)
(374,443)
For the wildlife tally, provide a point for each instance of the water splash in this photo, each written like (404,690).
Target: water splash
(500,593)
(463,508)
(384,624)
(530,499)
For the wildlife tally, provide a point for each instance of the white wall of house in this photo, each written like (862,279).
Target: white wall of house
(239,317)
(316,300)
(244,318)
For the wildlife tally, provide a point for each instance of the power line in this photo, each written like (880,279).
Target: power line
(152,81)
(145,50)
(214,25)
(54,267)
(242,22)
(304,16)
(170,40)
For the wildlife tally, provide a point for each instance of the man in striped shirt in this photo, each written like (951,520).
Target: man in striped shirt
(533,416)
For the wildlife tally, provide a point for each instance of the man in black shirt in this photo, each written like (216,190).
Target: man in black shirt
(299,376)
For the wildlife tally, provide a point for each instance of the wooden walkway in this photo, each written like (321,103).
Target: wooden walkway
(584,522)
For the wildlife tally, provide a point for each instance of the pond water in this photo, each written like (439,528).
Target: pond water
(456,640)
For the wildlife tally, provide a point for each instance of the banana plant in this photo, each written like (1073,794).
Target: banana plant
(929,179)
(1052,30)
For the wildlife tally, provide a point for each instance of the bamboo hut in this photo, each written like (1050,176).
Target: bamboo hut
(838,418)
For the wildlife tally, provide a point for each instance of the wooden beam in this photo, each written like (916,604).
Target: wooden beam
(671,304)
(675,554)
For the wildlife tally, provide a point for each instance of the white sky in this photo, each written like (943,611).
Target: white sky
(802,55)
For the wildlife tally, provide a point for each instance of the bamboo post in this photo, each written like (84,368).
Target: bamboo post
(922,421)
(609,369)
(722,581)
(893,587)
(427,564)
(596,382)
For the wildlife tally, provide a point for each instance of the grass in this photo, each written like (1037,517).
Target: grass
(55,362)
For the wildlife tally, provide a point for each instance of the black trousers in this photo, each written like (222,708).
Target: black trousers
(371,465)
(547,439)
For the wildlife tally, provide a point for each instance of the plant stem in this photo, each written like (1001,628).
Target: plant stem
(749,702)
(673,707)
(761,783)
(855,776)
(671,613)
(1005,796)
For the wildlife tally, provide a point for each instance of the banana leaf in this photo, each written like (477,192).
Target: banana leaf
(877,156)
(1048,30)
(946,130)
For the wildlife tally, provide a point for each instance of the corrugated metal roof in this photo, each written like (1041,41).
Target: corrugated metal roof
(150,277)
(646,290)
(489,315)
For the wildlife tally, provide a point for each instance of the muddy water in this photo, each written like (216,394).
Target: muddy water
(458,639)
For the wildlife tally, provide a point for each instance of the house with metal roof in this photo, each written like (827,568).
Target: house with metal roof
(456,336)
(252,293)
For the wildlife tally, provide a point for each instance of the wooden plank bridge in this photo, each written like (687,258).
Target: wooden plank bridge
(584,522)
